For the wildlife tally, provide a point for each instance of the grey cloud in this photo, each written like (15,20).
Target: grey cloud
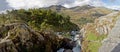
(18,4)
(4,5)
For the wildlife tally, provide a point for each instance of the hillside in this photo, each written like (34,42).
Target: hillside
(95,25)
(95,33)
(79,13)
(36,30)
(40,19)
(112,42)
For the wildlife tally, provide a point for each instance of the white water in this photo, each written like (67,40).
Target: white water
(78,44)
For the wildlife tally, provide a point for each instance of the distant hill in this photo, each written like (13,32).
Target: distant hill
(96,24)
(88,12)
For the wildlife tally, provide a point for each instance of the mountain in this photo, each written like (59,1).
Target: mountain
(76,13)
(96,24)
(57,7)
(35,30)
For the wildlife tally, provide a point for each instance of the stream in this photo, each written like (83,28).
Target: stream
(75,37)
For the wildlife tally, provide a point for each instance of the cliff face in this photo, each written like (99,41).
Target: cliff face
(112,42)
(102,25)
(19,37)
(95,32)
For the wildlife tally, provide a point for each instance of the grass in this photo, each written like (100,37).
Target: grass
(91,36)
(94,37)
(93,42)
(94,46)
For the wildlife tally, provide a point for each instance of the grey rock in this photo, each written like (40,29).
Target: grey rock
(112,42)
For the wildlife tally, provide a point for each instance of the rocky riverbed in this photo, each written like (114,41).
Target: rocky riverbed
(77,38)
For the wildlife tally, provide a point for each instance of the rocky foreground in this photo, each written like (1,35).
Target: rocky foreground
(19,37)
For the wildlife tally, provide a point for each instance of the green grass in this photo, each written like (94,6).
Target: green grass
(94,41)
(94,37)
(91,36)
(94,46)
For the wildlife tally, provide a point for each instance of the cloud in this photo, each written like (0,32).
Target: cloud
(97,3)
(3,5)
(113,7)
(18,4)
(78,3)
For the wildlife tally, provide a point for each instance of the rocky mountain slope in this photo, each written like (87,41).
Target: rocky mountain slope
(112,42)
(95,22)
(90,13)
(95,32)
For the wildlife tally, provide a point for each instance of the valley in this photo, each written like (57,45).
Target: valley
(59,29)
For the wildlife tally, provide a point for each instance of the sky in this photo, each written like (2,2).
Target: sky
(26,4)
(112,4)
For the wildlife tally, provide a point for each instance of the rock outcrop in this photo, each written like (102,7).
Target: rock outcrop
(95,32)
(112,42)
(102,25)
(19,37)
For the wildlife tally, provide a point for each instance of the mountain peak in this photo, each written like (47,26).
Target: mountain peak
(84,7)
(56,6)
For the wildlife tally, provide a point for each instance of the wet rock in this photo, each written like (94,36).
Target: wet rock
(67,50)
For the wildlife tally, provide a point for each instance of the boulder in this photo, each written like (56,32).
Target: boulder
(19,37)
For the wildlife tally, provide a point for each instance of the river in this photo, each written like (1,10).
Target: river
(76,38)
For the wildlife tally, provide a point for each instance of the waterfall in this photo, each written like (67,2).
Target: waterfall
(75,37)
(78,43)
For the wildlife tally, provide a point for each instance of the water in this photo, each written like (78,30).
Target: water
(61,50)
(76,49)
(76,38)
(78,43)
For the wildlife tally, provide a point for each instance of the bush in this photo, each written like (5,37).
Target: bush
(41,19)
